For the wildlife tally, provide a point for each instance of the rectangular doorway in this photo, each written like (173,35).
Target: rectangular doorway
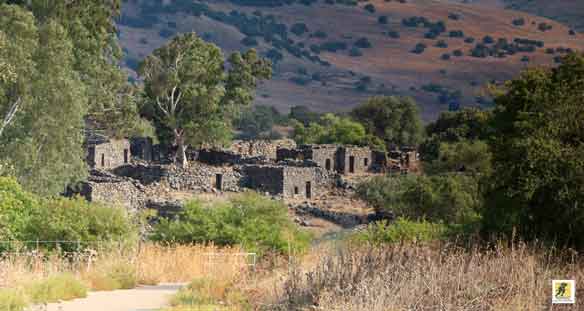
(351,164)
(219,182)
(102,160)
(308,190)
(126,156)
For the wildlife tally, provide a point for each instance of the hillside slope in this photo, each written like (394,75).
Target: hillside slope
(332,56)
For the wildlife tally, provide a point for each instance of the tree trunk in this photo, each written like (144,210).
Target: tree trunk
(9,116)
(180,157)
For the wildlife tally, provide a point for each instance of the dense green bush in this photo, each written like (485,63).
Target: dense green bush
(471,157)
(256,223)
(331,129)
(23,216)
(452,199)
(402,230)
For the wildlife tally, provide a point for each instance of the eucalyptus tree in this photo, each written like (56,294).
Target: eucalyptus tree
(192,96)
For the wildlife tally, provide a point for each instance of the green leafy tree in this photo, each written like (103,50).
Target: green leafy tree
(331,129)
(18,42)
(538,142)
(256,122)
(452,199)
(468,124)
(46,145)
(470,157)
(90,25)
(395,120)
(189,94)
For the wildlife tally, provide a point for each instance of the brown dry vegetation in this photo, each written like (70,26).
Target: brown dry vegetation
(119,269)
(389,61)
(417,277)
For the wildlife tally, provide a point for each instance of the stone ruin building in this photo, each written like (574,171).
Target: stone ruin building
(334,158)
(131,173)
(107,153)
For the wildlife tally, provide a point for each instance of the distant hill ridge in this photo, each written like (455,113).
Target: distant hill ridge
(332,54)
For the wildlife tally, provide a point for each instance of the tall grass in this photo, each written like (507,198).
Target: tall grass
(414,277)
(34,277)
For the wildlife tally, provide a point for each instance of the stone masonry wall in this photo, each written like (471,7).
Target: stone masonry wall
(361,163)
(109,155)
(256,148)
(264,178)
(323,155)
(201,177)
(306,182)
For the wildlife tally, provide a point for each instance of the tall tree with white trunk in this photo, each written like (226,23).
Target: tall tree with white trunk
(191,96)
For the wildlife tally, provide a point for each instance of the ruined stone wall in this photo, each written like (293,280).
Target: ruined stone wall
(283,154)
(109,155)
(306,182)
(141,148)
(110,189)
(200,177)
(256,148)
(324,156)
(353,160)
(263,178)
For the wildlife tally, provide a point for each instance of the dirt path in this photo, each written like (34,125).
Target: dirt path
(145,298)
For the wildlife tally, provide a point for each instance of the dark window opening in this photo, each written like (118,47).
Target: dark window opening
(366,162)
(296,190)
(125,155)
(308,189)
(351,164)
(328,164)
(102,160)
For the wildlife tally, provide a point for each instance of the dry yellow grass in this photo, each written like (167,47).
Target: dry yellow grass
(125,268)
(411,277)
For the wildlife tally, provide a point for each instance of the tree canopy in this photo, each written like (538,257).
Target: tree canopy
(394,120)
(538,142)
(189,94)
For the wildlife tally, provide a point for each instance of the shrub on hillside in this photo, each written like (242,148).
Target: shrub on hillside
(256,223)
(369,8)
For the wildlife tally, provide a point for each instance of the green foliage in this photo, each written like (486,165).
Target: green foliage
(24,216)
(57,68)
(468,124)
(190,95)
(394,120)
(331,129)
(258,224)
(452,199)
(402,230)
(303,115)
(257,122)
(538,140)
(471,157)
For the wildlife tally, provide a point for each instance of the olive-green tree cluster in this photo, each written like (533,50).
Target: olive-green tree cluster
(59,69)
(538,141)
(394,120)
(333,129)
(451,199)
(191,97)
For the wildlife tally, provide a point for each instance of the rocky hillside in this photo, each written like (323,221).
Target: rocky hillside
(332,54)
